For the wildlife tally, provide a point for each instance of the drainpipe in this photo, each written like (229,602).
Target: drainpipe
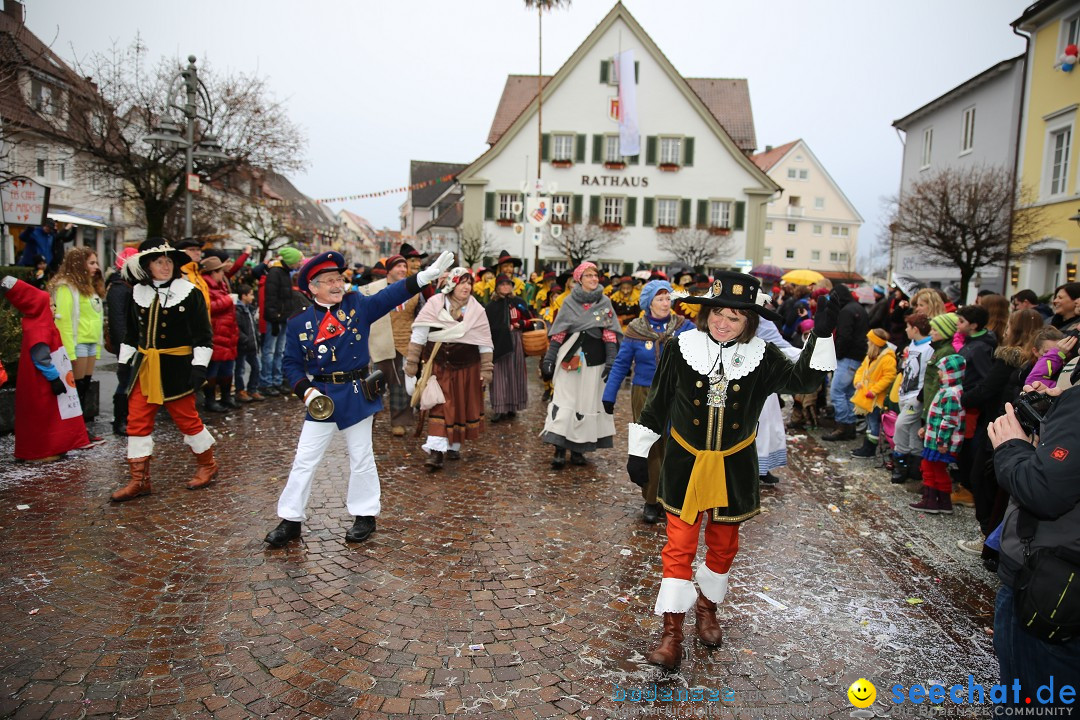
(1006,279)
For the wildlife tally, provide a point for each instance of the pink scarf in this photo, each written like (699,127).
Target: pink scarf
(472,329)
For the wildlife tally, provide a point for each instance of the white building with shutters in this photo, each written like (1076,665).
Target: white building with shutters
(694,171)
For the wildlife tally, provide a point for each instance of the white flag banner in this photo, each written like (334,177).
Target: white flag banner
(629,136)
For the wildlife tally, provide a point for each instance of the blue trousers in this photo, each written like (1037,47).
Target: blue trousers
(251,358)
(273,351)
(1025,657)
(843,385)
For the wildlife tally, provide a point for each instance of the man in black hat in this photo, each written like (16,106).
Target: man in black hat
(706,398)
(413,257)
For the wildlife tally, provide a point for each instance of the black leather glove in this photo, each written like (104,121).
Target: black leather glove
(275,329)
(547,369)
(604,374)
(198,376)
(638,469)
(58,386)
(825,320)
(610,351)
(609,407)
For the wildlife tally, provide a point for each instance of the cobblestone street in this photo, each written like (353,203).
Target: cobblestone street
(495,588)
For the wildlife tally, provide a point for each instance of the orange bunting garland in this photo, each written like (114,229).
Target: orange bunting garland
(382,193)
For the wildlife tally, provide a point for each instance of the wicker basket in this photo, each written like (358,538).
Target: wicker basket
(535,341)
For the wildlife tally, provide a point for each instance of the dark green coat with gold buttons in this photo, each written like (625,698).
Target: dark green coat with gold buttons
(679,400)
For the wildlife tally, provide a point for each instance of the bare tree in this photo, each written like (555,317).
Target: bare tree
(965,218)
(474,243)
(110,128)
(696,247)
(266,225)
(582,241)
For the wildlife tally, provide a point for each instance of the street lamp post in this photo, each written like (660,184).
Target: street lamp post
(169,131)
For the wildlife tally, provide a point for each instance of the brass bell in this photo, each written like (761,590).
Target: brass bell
(321,407)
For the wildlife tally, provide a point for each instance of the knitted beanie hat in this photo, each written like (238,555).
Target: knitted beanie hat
(945,324)
(651,290)
(290,255)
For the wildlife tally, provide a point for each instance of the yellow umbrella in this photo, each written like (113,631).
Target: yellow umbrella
(803,277)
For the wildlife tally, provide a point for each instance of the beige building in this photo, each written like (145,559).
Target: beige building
(811,224)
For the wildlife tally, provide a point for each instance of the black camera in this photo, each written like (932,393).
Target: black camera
(1031,408)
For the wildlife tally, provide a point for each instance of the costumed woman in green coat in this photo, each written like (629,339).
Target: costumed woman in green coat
(705,401)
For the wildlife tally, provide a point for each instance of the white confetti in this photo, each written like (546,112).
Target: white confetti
(22,507)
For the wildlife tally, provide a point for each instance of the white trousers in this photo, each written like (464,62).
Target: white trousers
(363,495)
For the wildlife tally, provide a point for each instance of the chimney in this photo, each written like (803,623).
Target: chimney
(14,8)
(768,148)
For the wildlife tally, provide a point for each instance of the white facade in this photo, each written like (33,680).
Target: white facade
(710,168)
(972,125)
(812,225)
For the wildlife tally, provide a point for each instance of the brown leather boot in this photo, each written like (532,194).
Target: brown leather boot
(205,471)
(140,480)
(708,629)
(668,653)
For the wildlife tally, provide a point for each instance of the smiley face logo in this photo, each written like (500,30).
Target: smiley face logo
(862,693)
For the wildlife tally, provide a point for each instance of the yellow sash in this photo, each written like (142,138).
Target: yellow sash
(708,480)
(150,371)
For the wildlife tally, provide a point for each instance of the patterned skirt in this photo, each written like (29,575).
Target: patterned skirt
(509,388)
(461,417)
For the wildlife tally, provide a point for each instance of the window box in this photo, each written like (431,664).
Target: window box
(669,167)
(614,165)
(504,222)
(612,226)
(562,163)
(719,230)
(665,229)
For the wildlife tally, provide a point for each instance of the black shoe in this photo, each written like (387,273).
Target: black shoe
(434,461)
(497,417)
(453,454)
(914,467)
(900,470)
(215,406)
(361,529)
(285,531)
(230,402)
(269,390)
(577,458)
(844,431)
(119,428)
(652,513)
(546,396)
(559,461)
(868,449)
(511,415)
(769,479)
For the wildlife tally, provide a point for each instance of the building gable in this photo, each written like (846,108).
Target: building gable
(787,156)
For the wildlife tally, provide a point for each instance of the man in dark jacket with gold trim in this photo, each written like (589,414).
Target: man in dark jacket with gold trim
(706,398)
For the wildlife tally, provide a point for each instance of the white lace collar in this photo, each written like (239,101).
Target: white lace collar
(739,359)
(174,294)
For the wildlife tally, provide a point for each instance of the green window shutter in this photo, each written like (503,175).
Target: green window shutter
(647,212)
(703,213)
(598,148)
(740,215)
(545,147)
(650,150)
(594,209)
(684,212)
(688,152)
(579,149)
(637,73)
(575,214)
(489,206)
(604,69)
(633,159)
(631,212)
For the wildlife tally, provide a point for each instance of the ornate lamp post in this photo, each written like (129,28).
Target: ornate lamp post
(189,103)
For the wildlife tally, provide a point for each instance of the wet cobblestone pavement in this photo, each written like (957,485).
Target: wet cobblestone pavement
(495,588)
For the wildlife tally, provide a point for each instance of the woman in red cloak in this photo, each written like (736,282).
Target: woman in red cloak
(48,417)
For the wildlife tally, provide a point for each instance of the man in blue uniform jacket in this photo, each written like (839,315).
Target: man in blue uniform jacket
(326,354)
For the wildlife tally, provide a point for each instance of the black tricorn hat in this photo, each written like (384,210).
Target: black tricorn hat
(507,257)
(408,251)
(737,291)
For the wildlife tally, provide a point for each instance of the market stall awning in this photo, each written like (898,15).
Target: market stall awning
(87,221)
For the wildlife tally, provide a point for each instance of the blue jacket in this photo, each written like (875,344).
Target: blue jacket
(643,355)
(347,351)
(37,242)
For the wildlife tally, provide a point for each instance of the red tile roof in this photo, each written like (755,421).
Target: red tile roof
(518,92)
(767,159)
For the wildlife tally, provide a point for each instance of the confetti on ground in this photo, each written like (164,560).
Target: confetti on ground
(22,507)
(914,601)
(774,603)
(478,646)
(35,611)
(833,508)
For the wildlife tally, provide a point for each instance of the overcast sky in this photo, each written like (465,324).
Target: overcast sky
(375,84)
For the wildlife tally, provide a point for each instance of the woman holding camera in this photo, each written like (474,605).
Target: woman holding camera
(453,334)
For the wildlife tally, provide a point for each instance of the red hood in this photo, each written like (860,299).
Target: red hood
(28,300)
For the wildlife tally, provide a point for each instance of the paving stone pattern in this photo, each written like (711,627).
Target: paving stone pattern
(496,588)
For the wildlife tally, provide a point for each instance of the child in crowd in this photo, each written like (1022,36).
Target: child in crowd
(804,411)
(1052,348)
(942,437)
(247,347)
(910,395)
(872,382)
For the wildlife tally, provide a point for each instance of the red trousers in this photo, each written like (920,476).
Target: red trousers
(721,541)
(141,414)
(935,475)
